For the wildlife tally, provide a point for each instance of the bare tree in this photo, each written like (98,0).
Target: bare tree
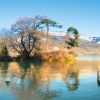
(25,42)
(4,32)
(25,35)
(26,23)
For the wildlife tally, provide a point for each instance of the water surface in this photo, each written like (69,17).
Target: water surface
(78,80)
(89,57)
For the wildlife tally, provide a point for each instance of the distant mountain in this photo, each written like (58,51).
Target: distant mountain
(88,45)
(82,37)
(96,39)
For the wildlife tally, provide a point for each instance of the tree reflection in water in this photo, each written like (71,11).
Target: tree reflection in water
(71,77)
(4,66)
(98,78)
(48,93)
(24,69)
(29,81)
(73,81)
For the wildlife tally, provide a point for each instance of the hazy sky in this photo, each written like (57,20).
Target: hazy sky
(81,14)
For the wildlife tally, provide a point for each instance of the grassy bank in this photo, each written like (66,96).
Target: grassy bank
(45,56)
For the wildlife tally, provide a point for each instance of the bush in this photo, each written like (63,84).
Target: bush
(3,51)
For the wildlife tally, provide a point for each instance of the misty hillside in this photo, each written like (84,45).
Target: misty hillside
(87,45)
(82,42)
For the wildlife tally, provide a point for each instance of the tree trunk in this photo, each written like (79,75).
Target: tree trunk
(62,43)
(47,38)
(25,54)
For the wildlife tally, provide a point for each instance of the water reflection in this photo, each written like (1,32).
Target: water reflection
(50,81)
(98,78)
(4,66)
(72,83)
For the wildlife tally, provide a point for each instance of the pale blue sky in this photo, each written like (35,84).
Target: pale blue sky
(81,14)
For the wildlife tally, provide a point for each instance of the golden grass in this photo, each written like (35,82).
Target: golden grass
(58,56)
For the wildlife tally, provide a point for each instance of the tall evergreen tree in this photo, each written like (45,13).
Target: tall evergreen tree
(48,22)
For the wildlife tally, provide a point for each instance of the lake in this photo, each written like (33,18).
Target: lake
(77,80)
(89,57)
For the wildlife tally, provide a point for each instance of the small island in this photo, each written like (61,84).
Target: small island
(27,40)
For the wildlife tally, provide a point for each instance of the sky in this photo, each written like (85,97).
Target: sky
(84,15)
